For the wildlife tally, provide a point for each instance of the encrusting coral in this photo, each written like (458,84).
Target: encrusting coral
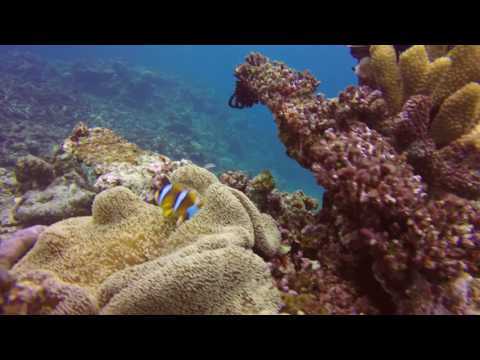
(127,236)
(396,203)
(115,161)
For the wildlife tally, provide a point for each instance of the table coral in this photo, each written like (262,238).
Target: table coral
(124,231)
(382,212)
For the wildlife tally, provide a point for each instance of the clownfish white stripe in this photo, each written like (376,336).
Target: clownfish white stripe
(180,197)
(164,192)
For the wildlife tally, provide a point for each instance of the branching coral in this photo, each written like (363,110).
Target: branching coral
(451,80)
(305,268)
(384,214)
(458,115)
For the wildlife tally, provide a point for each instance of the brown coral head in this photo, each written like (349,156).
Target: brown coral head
(256,59)
(80,130)
(242,97)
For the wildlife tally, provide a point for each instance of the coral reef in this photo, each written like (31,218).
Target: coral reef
(158,112)
(306,270)
(126,246)
(451,80)
(395,205)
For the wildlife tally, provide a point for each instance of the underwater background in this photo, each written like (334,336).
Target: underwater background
(132,183)
(188,108)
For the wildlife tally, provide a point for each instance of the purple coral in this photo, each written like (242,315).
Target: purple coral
(388,211)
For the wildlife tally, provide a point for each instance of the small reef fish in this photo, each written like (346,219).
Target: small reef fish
(209,166)
(176,200)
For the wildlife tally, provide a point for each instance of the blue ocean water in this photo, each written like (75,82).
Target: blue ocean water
(211,67)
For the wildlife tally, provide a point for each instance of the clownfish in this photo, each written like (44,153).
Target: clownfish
(176,200)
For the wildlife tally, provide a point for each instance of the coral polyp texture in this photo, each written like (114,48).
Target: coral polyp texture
(128,259)
(399,208)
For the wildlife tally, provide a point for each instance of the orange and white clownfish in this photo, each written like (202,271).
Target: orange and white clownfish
(176,200)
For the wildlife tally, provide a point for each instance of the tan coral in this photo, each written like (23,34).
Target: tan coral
(423,69)
(212,276)
(102,145)
(473,137)
(124,231)
(414,65)
(465,68)
(436,51)
(387,74)
(436,69)
(458,115)
(267,234)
